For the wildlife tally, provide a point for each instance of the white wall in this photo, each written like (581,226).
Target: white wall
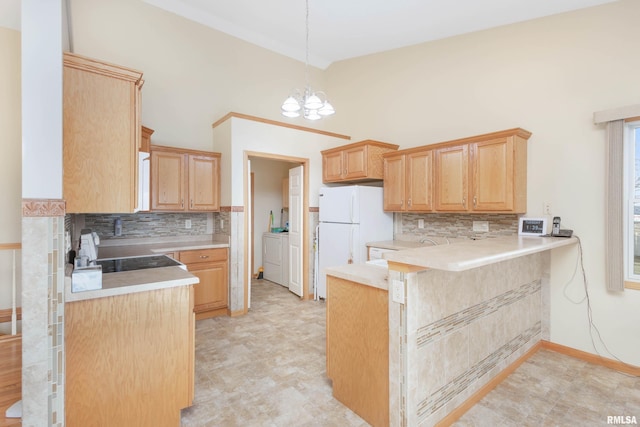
(11,159)
(548,76)
(268,175)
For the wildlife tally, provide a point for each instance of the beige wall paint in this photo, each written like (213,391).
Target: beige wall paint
(10,135)
(10,160)
(193,75)
(548,76)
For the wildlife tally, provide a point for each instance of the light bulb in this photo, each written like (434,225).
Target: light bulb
(291,104)
(327,109)
(313,102)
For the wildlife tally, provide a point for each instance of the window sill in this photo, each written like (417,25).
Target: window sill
(632,285)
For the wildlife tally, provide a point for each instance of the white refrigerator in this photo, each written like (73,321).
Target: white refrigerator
(349,218)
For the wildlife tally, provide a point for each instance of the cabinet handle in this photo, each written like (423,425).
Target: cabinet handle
(401,203)
(475,202)
(182,203)
(192,203)
(204,256)
(409,203)
(464,203)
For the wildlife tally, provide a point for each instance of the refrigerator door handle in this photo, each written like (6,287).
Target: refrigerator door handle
(351,242)
(353,202)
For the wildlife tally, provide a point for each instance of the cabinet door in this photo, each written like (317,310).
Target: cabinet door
(100,131)
(492,163)
(393,184)
(204,173)
(355,162)
(167,181)
(212,291)
(332,166)
(452,178)
(419,189)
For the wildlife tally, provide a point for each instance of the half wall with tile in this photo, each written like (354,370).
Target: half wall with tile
(458,330)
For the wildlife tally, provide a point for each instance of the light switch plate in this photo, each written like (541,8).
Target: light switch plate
(398,291)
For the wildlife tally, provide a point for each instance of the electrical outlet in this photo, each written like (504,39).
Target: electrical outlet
(187,223)
(421,223)
(546,208)
(398,291)
(482,226)
(222,224)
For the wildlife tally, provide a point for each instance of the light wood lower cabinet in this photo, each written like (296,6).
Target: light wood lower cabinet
(211,266)
(129,359)
(358,348)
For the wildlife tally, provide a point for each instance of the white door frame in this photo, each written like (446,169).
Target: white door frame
(305,223)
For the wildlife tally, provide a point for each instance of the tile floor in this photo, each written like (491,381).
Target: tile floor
(268,369)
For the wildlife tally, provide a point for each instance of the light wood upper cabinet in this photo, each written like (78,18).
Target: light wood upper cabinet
(168,172)
(101,136)
(204,182)
(485,173)
(360,161)
(408,181)
(499,175)
(394,186)
(452,178)
(184,180)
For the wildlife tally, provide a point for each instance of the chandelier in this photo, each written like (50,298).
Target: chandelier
(312,105)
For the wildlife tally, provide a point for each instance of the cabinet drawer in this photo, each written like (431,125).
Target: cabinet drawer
(203,256)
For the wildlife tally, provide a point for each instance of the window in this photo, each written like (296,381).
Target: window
(632,204)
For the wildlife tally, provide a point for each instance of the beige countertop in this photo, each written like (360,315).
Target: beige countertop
(127,282)
(398,245)
(468,254)
(114,248)
(367,274)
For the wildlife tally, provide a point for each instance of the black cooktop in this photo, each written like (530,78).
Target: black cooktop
(136,263)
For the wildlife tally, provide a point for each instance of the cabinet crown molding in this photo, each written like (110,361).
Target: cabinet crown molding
(522,133)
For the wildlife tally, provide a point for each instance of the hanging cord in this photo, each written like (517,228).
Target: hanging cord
(593,329)
(306,57)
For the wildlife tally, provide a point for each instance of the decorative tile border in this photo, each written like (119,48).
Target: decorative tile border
(43,207)
(231,208)
(314,209)
(450,324)
(446,393)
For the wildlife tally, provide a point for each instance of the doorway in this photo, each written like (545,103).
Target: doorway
(263,191)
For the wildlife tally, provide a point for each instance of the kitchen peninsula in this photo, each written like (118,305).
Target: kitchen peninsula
(457,316)
(130,350)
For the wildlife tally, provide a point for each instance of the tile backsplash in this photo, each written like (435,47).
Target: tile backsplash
(148,224)
(453,225)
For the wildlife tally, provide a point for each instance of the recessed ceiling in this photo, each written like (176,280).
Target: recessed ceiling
(343,29)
